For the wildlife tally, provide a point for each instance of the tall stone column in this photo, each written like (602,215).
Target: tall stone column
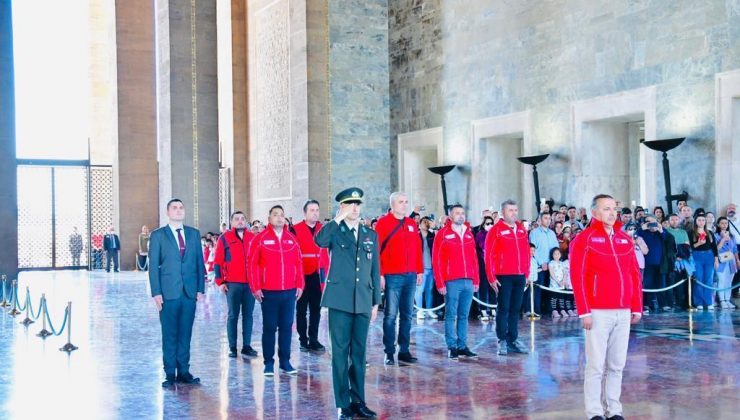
(188,108)
(135,161)
(8,181)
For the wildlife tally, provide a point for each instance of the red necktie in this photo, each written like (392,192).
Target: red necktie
(181,241)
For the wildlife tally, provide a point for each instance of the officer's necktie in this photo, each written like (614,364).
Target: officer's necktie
(181,241)
(354,234)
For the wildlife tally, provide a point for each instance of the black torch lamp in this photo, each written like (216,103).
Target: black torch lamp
(441,171)
(664,146)
(534,161)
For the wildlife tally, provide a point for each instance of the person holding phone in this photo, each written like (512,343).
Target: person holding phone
(656,262)
(706,261)
(728,261)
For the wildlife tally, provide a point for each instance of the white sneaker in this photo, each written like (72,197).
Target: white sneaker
(572,313)
(555,314)
(731,305)
(432,315)
(419,314)
(563,313)
(483,316)
(710,307)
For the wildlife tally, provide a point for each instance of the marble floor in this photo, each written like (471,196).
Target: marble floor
(672,371)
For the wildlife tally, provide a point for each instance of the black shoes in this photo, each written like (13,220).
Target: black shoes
(316,346)
(502,348)
(232,352)
(187,378)
(169,382)
(517,347)
(407,358)
(389,360)
(362,412)
(304,348)
(597,418)
(465,352)
(615,417)
(452,354)
(248,351)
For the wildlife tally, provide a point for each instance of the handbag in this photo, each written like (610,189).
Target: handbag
(726,256)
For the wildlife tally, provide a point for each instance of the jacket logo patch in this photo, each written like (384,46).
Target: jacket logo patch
(450,236)
(411,229)
(506,232)
(622,241)
(289,242)
(269,242)
(598,240)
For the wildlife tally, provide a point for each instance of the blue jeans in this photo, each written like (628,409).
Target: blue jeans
(278,313)
(425,290)
(703,272)
(457,306)
(399,297)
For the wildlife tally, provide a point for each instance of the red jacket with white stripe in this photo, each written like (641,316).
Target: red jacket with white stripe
(402,253)
(230,262)
(507,251)
(604,270)
(275,264)
(454,257)
(314,257)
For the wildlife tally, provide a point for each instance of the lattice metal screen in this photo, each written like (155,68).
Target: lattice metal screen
(57,217)
(102,210)
(224,194)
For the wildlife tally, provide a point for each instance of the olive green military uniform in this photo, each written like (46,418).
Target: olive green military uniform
(352,289)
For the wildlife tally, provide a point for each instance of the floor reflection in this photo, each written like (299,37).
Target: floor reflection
(116,373)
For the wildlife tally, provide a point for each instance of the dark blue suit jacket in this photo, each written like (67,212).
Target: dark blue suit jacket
(171,275)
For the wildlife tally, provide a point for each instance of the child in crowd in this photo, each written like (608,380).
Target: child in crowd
(562,304)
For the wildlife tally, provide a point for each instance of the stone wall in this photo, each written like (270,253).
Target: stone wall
(454,61)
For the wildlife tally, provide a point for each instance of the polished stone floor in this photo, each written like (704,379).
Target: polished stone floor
(672,371)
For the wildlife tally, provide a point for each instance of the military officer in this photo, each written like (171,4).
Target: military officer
(352,295)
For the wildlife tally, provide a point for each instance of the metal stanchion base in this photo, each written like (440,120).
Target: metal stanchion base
(692,309)
(4,304)
(44,333)
(69,347)
(27,322)
(14,312)
(533,317)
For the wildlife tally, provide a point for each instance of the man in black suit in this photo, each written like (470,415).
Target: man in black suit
(112,246)
(177,279)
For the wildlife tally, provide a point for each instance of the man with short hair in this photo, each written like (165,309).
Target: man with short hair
(656,262)
(276,280)
(683,268)
(112,247)
(508,259)
(177,280)
(230,269)
(626,216)
(608,292)
(544,240)
(686,217)
(401,269)
(315,263)
(457,278)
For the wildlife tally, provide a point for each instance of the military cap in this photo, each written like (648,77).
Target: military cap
(350,194)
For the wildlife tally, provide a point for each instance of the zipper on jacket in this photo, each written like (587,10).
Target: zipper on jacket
(462,245)
(596,279)
(518,257)
(621,279)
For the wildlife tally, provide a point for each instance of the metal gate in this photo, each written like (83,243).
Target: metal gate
(63,207)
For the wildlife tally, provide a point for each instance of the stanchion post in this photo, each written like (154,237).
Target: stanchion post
(28,321)
(533,316)
(531,337)
(14,311)
(69,347)
(691,328)
(4,303)
(44,332)
(691,305)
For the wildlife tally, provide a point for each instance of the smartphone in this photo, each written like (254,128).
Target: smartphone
(652,225)
(703,236)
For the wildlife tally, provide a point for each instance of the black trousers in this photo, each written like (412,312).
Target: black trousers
(111,256)
(510,295)
(177,317)
(348,334)
(310,302)
(240,300)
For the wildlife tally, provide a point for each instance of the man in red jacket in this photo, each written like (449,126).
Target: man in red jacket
(315,261)
(401,270)
(608,294)
(276,280)
(455,267)
(507,258)
(230,268)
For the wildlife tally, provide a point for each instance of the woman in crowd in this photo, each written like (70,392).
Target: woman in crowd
(485,292)
(141,258)
(659,213)
(728,261)
(711,226)
(641,248)
(706,261)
